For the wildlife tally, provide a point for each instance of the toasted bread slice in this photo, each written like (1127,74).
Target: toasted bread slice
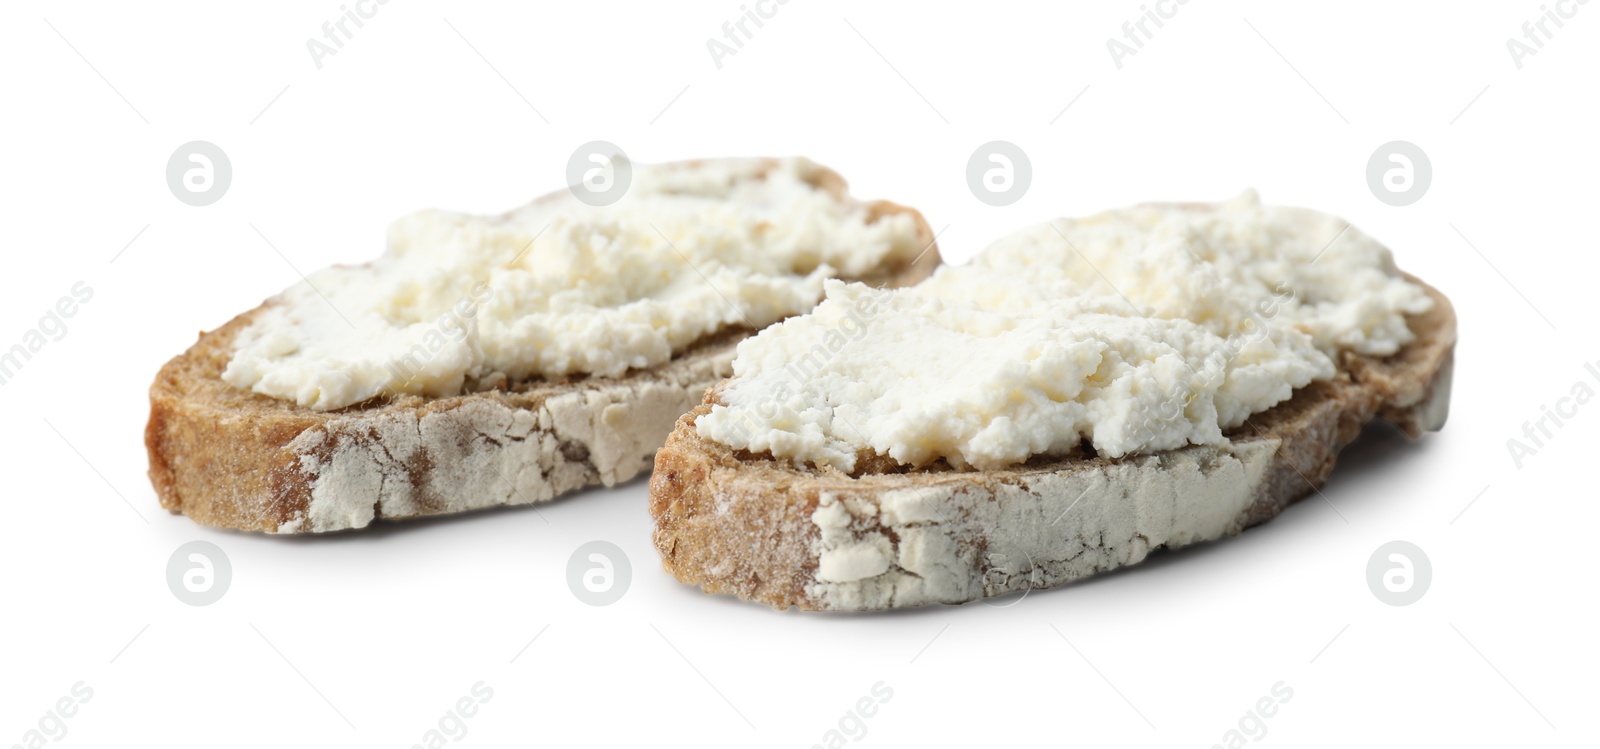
(784,535)
(232,458)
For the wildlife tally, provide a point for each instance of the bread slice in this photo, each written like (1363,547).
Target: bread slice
(769,531)
(231,458)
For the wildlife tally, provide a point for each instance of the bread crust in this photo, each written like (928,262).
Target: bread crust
(771,532)
(231,458)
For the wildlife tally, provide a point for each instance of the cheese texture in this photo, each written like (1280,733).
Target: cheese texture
(1136,330)
(560,288)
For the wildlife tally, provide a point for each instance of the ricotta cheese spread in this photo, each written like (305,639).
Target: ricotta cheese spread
(560,288)
(1136,330)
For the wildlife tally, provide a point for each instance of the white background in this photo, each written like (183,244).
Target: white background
(367,639)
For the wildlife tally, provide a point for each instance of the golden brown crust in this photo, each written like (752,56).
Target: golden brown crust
(732,522)
(231,458)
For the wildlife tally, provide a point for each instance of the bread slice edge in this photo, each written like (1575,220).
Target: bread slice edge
(767,531)
(233,459)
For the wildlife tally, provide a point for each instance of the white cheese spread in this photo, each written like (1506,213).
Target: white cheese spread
(1137,330)
(559,288)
